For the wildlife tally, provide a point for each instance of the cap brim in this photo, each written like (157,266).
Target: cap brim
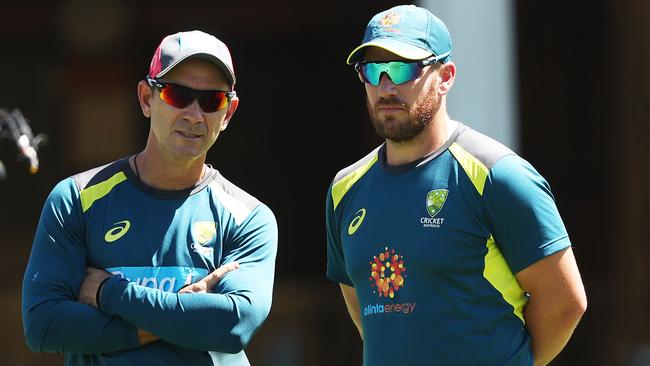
(230,75)
(397,47)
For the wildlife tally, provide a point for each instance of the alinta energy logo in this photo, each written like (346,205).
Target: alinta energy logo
(387,277)
(120,228)
(435,201)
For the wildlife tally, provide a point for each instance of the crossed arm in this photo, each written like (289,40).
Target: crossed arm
(57,317)
(54,319)
(90,287)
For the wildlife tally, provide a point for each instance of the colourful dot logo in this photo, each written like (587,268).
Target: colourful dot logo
(387,273)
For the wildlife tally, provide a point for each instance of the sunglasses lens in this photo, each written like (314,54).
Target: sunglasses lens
(212,101)
(180,97)
(398,72)
(176,95)
(371,73)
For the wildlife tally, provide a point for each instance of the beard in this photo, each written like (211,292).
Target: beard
(419,116)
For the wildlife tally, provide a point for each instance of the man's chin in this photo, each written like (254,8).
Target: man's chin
(188,153)
(396,135)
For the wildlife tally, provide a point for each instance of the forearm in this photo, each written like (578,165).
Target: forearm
(352,304)
(201,321)
(557,302)
(71,327)
(550,329)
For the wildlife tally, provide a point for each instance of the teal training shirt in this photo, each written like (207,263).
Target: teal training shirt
(154,242)
(431,249)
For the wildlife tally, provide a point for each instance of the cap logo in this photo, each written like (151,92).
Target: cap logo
(389,19)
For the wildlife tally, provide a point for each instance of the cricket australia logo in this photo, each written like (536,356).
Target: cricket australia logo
(203,233)
(435,201)
(389,20)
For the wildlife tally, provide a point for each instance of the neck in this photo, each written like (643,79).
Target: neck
(167,174)
(429,140)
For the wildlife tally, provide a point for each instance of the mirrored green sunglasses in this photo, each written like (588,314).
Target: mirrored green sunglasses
(399,72)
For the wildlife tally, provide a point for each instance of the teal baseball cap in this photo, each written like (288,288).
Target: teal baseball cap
(408,31)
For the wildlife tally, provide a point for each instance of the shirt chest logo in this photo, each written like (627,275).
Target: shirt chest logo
(356,221)
(387,273)
(387,277)
(435,201)
(120,228)
(202,233)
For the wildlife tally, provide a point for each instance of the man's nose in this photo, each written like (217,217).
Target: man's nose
(386,85)
(193,112)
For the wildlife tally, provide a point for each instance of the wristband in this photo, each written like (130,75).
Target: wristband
(98,294)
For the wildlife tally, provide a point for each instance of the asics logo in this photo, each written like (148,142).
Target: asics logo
(118,231)
(356,222)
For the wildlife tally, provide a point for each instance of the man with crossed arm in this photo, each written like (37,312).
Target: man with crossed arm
(156,258)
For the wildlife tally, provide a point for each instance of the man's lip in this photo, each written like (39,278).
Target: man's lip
(188,134)
(390,108)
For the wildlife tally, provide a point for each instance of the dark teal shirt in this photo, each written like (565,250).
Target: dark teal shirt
(431,249)
(154,242)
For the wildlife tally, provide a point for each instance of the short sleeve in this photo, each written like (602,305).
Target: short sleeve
(522,213)
(335,259)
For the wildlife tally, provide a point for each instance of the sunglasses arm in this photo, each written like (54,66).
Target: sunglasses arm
(153,82)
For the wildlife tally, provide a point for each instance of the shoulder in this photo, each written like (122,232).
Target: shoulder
(479,147)
(348,176)
(235,200)
(497,159)
(360,166)
(515,174)
(72,186)
(111,171)
(96,183)
(477,154)
(76,193)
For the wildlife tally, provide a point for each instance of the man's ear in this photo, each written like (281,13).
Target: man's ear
(232,107)
(144,97)
(447,74)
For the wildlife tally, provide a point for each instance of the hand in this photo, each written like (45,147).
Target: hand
(90,285)
(145,337)
(208,283)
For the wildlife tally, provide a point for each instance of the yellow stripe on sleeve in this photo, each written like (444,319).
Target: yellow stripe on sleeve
(498,273)
(340,188)
(93,193)
(476,170)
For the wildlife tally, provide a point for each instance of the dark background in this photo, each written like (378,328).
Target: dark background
(71,67)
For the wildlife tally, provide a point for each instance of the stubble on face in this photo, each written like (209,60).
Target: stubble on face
(419,116)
